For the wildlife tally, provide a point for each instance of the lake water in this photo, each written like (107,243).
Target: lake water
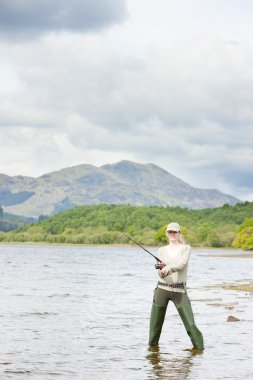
(83,313)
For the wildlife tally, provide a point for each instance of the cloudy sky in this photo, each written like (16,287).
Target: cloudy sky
(98,81)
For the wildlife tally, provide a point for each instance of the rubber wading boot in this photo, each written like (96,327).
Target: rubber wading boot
(195,335)
(156,323)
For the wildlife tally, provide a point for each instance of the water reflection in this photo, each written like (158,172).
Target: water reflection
(168,366)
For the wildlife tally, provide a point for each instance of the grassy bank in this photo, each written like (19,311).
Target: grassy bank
(242,287)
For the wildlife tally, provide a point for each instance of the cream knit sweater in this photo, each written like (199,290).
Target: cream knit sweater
(176,258)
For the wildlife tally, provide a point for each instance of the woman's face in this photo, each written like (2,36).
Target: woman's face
(173,236)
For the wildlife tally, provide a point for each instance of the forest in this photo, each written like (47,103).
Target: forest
(226,226)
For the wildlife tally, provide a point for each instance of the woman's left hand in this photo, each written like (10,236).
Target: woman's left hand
(165,271)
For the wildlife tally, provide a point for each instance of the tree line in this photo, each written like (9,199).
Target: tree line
(226,226)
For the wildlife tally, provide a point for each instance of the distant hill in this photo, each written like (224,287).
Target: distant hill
(125,182)
(10,222)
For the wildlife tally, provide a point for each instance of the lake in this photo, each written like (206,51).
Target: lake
(83,312)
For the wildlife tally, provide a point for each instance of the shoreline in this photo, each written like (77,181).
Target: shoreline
(238,252)
(232,255)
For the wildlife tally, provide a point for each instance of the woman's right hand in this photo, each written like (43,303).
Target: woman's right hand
(165,272)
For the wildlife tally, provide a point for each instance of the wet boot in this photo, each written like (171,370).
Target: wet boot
(185,312)
(156,323)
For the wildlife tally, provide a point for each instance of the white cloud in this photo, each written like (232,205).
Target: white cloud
(183,104)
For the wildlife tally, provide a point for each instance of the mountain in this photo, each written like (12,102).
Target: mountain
(125,182)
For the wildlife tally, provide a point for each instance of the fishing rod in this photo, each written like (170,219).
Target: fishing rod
(157,266)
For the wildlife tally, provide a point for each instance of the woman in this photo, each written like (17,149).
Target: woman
(172,287)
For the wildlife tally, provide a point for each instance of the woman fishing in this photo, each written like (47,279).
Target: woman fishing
(172,287)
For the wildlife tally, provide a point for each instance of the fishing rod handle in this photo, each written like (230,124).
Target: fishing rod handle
(158,266)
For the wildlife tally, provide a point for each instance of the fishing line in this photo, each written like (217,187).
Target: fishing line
(157,259)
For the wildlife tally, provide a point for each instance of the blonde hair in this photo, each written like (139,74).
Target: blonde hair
(181,238)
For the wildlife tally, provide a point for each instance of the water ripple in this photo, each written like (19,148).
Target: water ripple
(62,318)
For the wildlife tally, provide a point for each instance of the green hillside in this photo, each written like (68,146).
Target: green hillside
(102,224)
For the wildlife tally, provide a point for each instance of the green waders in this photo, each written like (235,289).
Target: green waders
(183,305)
(185,312)
(156,323)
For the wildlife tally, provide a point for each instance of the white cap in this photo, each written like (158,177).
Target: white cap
(173,227)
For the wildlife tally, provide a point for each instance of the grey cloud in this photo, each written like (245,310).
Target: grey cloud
(158,108)
(231,179)
(240,174)
(32,17)
(131,91)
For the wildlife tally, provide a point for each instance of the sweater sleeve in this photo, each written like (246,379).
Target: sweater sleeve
(183,260)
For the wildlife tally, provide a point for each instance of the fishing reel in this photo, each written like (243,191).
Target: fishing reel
(159,265)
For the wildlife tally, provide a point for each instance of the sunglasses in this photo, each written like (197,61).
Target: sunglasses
(172,232)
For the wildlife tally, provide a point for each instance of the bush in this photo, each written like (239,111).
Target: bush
(244,239)
(227,234)
(212,239)
(38,237)
(159,236)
